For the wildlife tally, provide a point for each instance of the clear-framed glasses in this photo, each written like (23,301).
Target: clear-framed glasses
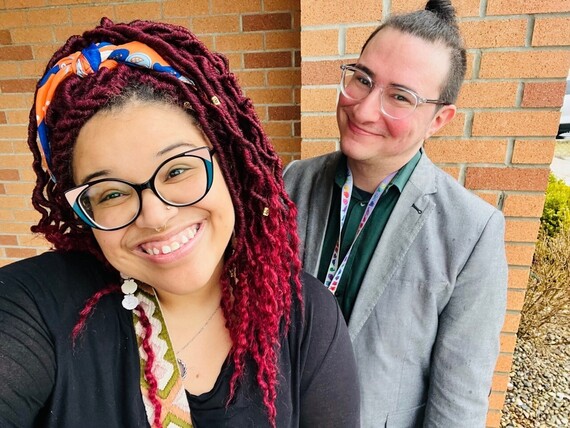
(111,203)
(395,102)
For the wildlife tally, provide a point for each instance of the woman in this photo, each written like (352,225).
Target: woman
(156,180)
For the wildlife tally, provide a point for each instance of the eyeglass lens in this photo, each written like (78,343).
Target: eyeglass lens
(180,181)
(395,102)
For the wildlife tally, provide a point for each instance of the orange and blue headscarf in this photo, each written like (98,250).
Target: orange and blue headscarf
(89,61)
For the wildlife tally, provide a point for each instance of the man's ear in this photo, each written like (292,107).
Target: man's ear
(442,117)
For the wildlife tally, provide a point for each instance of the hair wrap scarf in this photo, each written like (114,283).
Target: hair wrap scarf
(89,61)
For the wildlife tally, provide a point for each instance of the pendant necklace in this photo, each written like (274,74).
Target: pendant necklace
(181,364)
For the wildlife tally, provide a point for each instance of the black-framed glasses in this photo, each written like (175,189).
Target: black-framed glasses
(395,102)
(111,203)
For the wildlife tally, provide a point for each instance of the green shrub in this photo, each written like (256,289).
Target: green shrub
(556,214)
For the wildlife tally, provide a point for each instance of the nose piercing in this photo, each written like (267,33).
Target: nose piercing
(168,207)
(161,228)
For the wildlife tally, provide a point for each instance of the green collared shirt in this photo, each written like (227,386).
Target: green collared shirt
(367,241)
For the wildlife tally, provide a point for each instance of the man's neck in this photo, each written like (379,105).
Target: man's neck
(367,175)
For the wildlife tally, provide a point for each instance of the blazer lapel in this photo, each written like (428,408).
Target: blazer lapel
(408,217)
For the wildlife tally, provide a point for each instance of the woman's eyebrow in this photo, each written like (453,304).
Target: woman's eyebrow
(174,146)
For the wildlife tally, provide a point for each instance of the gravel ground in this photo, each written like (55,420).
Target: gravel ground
(538,394)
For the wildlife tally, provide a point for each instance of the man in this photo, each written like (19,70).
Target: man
(419,269)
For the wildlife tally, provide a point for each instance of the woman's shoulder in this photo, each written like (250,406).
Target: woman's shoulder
(52,278)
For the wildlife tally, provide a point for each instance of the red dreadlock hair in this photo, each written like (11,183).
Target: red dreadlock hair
(265,257)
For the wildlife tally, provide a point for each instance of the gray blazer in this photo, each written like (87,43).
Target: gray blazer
(425,325)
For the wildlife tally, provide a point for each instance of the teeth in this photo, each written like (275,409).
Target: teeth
(174,245)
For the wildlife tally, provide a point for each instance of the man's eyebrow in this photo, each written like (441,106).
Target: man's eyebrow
(373,76)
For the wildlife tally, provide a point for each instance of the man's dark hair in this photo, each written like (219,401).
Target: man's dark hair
(436,24)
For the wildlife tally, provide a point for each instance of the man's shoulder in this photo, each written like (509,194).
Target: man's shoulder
(311,165)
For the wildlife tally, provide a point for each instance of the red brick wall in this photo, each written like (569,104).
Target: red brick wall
(260,38)
(501,142)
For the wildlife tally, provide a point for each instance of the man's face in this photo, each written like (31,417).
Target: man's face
(395,58)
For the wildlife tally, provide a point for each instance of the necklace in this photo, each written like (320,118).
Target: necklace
(180,361)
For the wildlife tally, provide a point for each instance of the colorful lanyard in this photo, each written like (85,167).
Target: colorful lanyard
(334,273)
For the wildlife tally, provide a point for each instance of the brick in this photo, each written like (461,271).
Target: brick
(496,401)
(68,2)
(32,69)
(2,118)
(266,21)
(470,66)
(17,116)
(44,52)
(487,94)
(521,230)
(287,145)
(529,64)
(88,15)
(215,24)
(22,189)
(277,5)
(15,53)
(9,175)
(516,123)
(291,77)
(551,32)
(452,171)
(310,149)
(177,8)
(518,278)
(321,72)
(11,202)
(34,240)
(355,38)
(18,85)
(504,363)
(515,300)
(8,240)
(20,4)
(519,254)
(507,178)
(20,253)
(469,150)
(13,19)
(465,8)
(511,324)
(491,198)
(9,69)
(239,42)
(533,151)
(12,131)
(493,418)
(283,40)
(16,228)
(485,33)
(3,189)
(319,127)
(454,128)
(319,12)
(318,99)
(16,100)
(319,43)
(129,12)
(47,16)
(519,7)
(32,35)
(525,205)
(406,6)
(500,381)
(5,37)
(278,129)
(508,342)
(297,129)
(286,112)
(267,59)
(543,94)
(270,96)
(235,6)
(248,78)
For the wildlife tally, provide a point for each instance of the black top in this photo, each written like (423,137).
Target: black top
(45,381)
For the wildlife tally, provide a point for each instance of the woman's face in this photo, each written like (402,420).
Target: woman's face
(129,144)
